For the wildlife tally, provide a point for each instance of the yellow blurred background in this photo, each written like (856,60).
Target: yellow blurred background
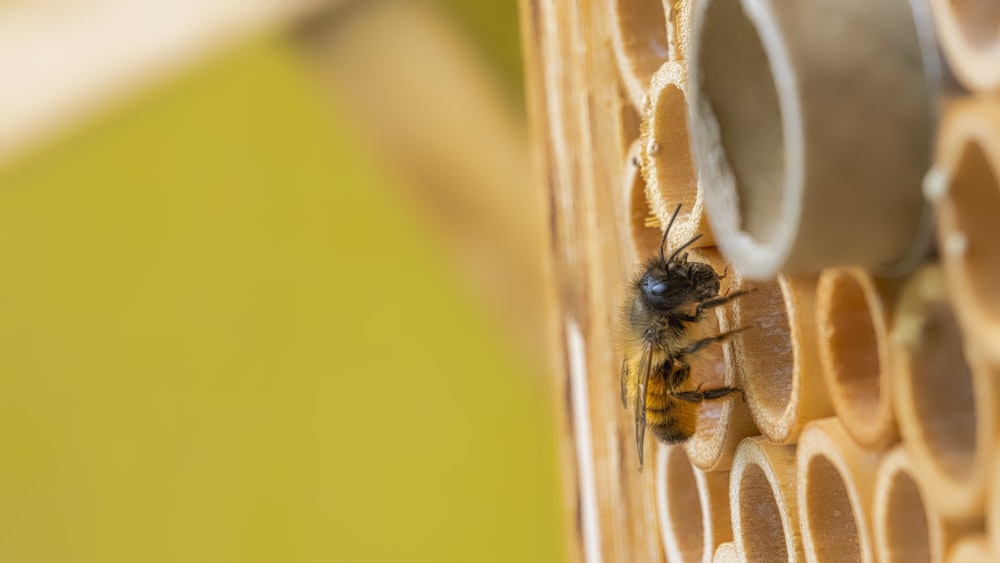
(239,323)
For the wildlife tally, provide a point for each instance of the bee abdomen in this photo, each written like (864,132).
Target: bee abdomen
(670,433)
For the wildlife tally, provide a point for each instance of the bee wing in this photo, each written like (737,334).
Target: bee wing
(645,366)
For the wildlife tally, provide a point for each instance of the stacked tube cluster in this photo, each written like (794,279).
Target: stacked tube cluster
(844,159)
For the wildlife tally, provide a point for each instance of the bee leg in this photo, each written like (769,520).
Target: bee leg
(699,344)
(721,300)
(677,377)
(710,394)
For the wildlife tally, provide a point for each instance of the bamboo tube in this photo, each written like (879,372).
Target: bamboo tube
(777,91)
(972,549)
(969,34)
(778,357)
(853,314)
(726,553)
(678,14)
(907,523)
(639,42)
(722,423)
(993,506)
(645,239)
(762,502)
(834,476)
(693,507)
(968,161)
(666,157)
(946,406)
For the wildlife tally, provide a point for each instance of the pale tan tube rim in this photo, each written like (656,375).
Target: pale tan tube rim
(761,497)
(945,399)
(906,527)
(968,162)
(778,357)
(835,477)
(639,42)
(667,166)
(692,505)
(972,549)
(852,317)
(969,34)
(726,553)
(644,239)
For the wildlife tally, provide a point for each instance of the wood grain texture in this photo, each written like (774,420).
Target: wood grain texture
(577,115)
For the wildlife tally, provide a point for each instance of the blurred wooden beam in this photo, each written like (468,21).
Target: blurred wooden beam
(62,60)
(440,118)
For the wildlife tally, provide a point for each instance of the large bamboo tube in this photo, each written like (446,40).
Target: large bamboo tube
(666,157)
(969,34)
(762,502)
(834,476)
(722,423)
(644,237)
(907,523)
(778,358)
(639,41)
(946,406)
(853,315)
(968,159)
(972,549)
(777,91)
(693,507)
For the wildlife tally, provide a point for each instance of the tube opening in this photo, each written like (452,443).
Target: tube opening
(735,78)
(675,174)
(643,31)
(645,236)
(830,514)
(766,349)
(684,506)
(979,20)
(975,194)
(942,389)
(762,528)
(854,352)
(907,535)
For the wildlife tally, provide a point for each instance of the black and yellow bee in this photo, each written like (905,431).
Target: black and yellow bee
(666,300)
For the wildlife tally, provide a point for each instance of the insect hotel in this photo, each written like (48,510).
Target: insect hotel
(841,159)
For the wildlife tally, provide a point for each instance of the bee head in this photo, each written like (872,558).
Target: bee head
(670,283)
(668,286)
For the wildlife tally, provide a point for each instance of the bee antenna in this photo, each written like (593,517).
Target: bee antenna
(663,241)
(683,246)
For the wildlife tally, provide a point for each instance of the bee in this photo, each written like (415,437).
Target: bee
(666,299)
